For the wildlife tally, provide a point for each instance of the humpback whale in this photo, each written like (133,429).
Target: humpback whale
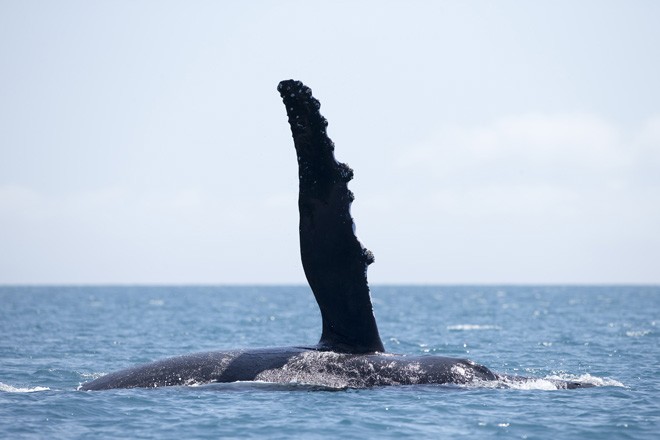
(350,353)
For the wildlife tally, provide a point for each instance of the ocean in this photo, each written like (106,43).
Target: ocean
(56,337)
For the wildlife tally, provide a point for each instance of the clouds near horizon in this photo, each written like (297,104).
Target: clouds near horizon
(492,142)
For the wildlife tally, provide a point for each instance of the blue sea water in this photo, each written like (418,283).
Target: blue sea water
(55,338)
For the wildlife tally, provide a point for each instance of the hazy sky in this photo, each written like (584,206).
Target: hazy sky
(145,141)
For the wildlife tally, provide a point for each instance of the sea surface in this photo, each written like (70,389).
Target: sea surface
(55,337)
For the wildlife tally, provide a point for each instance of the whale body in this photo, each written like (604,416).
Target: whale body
(350,353)
(297,365)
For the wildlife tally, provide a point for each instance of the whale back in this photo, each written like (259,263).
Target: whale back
(334,260)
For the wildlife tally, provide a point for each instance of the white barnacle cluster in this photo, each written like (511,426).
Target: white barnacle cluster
(320,368)
(414,372)
(400,373)
(461,374)
(224,362)
(385,375)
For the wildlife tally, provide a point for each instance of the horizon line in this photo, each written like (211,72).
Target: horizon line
(281,284)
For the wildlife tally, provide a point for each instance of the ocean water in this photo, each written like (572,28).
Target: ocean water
(55,338)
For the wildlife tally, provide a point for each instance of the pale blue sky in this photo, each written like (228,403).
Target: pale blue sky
(514,142)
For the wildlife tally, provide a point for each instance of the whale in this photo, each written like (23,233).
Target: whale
(350,353)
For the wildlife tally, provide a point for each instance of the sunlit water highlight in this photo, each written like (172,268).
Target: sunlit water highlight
(55,338)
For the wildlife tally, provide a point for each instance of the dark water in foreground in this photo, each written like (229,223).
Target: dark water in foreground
(54,338)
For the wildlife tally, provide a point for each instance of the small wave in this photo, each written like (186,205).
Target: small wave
(10,389)
(637,334)
(467,327)
(532,384)
(588,379)
(548,383)
(517,383)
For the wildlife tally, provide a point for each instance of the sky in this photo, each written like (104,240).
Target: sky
(144,142)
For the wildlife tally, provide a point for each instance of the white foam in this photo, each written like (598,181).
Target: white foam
(532,384)
(548,383)
(10,389)
(468,327)
(516,384)
(588,378)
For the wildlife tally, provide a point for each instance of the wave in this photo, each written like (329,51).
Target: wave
(549,383)
(588,379)
(11,389)
(468,327)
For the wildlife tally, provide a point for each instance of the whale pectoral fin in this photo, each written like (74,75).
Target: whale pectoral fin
(334,260)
